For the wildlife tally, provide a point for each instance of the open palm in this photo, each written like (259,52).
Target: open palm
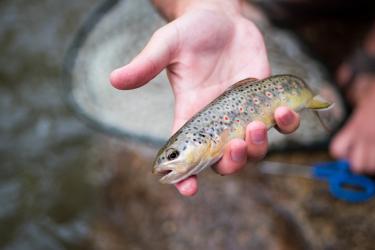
(210,53)
(204,52)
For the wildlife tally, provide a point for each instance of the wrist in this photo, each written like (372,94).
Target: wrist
(166,8)
(173,9)
(228,6)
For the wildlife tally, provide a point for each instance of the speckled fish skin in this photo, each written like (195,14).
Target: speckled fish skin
(201,141)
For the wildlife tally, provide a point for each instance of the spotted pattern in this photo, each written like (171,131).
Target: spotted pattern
(244,102)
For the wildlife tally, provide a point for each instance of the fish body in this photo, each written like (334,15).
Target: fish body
(201,141)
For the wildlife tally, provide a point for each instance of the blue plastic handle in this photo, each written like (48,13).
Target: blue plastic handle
(343,184)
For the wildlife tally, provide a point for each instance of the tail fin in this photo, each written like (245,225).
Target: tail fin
(319,103)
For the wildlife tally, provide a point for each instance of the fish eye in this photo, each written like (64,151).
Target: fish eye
(172,154)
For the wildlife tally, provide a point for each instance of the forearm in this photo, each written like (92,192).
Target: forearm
(172,9)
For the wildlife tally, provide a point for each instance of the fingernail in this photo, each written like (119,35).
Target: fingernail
(286,119)
(238,155)
(258,136)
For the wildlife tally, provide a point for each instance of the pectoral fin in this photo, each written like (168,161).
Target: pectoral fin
(319,103)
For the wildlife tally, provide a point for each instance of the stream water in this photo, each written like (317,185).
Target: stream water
(46,192)
(64,186)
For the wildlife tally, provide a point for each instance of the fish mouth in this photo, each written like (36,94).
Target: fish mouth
(172,177)
(174,173)
(170,173)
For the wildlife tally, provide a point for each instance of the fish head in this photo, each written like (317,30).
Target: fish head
(181,157)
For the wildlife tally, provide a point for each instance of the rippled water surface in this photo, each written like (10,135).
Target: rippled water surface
(47,192)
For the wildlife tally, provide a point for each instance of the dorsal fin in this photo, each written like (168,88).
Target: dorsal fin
(242,82)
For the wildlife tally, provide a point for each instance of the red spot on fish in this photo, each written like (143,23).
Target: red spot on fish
(256,100)
(237,120)
(251,110)
(269,94)
(280,88)
(241,109)
(226,118)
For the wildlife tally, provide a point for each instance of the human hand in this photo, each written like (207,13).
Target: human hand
(356,140)
(205,50)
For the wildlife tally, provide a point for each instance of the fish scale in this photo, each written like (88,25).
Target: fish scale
(226,110)
(201,141)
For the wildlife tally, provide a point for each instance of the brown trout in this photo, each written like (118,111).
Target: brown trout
(201,141)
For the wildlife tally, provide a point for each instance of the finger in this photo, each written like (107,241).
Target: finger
(341,143)
(367,159)
(363,161)
(188,187)
(256,140)
(150,62)
(287,121)
(357,159)
(371,160)
(234,158)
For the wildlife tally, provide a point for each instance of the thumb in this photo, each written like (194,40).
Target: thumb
(150,62)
